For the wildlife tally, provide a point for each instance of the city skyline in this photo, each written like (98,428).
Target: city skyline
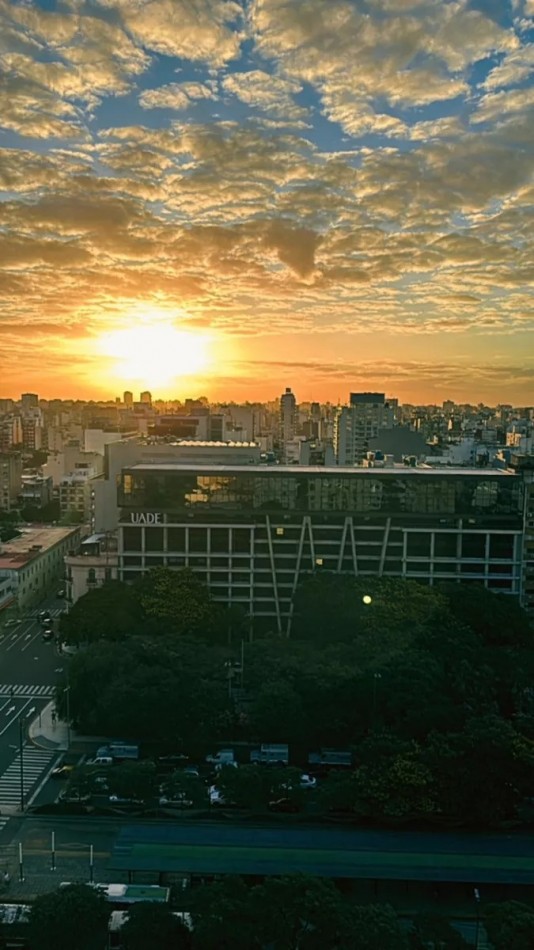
(227,198)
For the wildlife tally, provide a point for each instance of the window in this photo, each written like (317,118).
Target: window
(132,539)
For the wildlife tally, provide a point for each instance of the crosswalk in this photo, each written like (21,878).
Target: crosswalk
(39,692)
(34,762)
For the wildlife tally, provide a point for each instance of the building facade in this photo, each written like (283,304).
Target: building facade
(93,564)
(32,563)
(252,534)
(10,480)
(356,424)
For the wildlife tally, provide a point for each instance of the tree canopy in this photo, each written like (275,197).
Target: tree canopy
(73,916)
(441,678)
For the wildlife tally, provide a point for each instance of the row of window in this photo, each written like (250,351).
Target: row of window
(360,491)
(242,540)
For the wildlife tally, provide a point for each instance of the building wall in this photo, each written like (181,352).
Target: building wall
(86,572)
(30,580)
(10,480)
(252,537)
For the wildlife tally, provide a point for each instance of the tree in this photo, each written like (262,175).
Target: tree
(277,713)
(376,927)
(310,914)
(498,619)
(253,786)
(154,926)
(331,607)
(434,932)
(73,916)
(132,780)
(510,925)
(180,599)
(224,917)
(109,612)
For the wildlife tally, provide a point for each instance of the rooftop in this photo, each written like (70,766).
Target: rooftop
(327,471)
(33,541)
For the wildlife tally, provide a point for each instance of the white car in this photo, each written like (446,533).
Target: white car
(120,800)
(216,796)
(179,801)
(308,781)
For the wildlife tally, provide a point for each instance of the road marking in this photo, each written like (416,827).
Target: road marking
(25,689)
(34,762)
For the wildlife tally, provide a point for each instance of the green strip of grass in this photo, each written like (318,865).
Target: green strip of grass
(211,855)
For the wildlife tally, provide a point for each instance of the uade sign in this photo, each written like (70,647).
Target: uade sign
(149,517)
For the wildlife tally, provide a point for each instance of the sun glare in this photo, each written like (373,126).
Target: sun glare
(154,354)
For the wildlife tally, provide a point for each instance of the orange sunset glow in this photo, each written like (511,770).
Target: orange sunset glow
(226,198)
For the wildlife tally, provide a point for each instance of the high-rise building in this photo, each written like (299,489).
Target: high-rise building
(127,399)
(10,479)
(288,419)
(146,397)
(29,401)
(358,422)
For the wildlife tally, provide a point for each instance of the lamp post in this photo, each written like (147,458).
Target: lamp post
(476,892)
(22,721)
(67,692)
(376,677)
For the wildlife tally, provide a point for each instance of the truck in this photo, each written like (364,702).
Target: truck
(271,753)
(222,757)
(119,751)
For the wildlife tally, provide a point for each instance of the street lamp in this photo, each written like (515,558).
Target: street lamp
(476,892)
(376,677)
(367,599)
(22,721)
(67,692)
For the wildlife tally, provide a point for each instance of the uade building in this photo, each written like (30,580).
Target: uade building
(251,532)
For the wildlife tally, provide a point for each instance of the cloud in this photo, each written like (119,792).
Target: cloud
(200,31)
(512,70)
(496,105)
(177,95)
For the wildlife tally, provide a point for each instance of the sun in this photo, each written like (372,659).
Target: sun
(154,354)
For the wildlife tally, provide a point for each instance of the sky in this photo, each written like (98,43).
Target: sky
(228,197)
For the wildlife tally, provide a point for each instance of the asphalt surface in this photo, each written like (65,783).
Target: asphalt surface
(29,671)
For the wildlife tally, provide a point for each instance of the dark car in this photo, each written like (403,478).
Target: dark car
(62,771)
(48,634)
(284,805)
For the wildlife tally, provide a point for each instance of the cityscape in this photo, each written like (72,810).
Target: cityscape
(266,475)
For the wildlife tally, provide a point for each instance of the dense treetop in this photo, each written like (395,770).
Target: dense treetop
(431,689)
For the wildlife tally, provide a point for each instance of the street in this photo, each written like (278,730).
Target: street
(29,670)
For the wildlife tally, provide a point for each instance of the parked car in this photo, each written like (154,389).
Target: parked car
(308,781)
(216,796)
(48,635)
(191,770)
(179,800)
(120,800)
(61,771)
(11,623)
(284,805)
(60,593)
(71,796)
(44,615)
(100,760)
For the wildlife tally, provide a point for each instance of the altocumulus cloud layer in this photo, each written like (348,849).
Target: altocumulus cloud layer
(346,182)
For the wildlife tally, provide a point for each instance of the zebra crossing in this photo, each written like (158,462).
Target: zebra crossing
(34,762)
(28,691)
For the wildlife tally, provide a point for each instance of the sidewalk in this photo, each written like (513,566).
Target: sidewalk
(49,732)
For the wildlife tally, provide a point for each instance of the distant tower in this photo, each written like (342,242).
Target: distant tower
(29,400)
(146,397)
(127,398)
(288,418)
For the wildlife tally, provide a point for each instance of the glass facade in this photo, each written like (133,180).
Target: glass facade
(361,491)
(252,535)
